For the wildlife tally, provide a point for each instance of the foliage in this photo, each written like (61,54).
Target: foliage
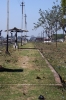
(50,20)
(59,36)
(63,4)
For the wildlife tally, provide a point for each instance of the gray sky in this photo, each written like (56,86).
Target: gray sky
(15,14)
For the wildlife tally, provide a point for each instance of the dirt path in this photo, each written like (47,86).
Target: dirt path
(24,62)
(57,78)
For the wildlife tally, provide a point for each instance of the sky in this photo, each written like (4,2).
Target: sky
(31,9)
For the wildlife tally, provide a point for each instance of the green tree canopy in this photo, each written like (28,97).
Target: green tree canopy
(63,4)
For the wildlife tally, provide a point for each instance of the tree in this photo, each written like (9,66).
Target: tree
(63,4)
(49,19)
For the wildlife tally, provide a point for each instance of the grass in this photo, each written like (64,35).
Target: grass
(18,92)
(39,68)
(29,45)
(12,84)
(56,56)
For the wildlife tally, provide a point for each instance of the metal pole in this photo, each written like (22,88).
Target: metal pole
(16,40)
(7,25)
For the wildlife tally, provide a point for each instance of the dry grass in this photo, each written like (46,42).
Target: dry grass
(17,85)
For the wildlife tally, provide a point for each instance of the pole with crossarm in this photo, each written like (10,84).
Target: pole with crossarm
(22,4)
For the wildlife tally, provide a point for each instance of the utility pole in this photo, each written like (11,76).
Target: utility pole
(7,25)
(22,4)
(25,21)
(25,28)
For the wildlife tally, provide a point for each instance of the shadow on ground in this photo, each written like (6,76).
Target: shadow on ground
(27,48)
(2,69)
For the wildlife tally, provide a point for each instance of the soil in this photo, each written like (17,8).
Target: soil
(24,63)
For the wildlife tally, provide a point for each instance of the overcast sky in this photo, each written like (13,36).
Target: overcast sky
(15,14)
